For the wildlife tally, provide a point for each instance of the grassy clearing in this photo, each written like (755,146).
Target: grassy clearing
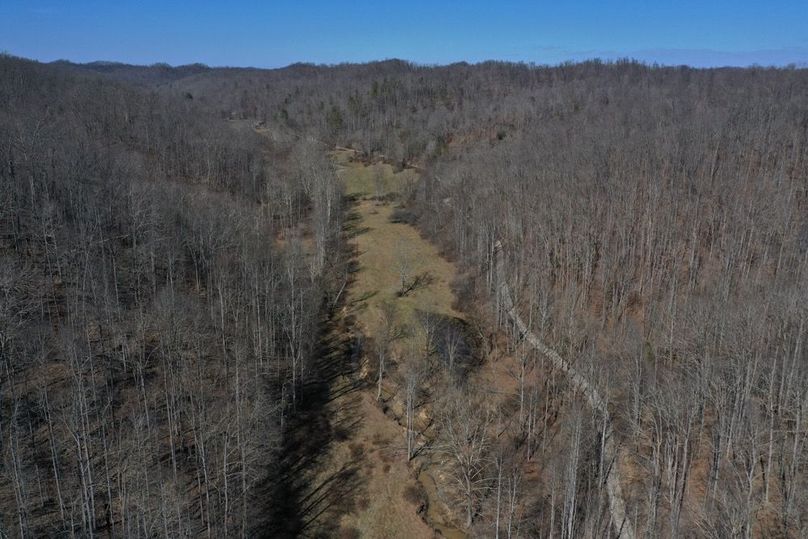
(365,181)
(383,248)
(386,511)
(386,248)
(386,507)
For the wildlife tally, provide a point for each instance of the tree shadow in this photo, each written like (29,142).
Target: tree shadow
(352,222)
(304,496)
(298,496)
(422,280)
(455,344)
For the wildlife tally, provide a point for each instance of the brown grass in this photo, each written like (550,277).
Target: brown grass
(383,508)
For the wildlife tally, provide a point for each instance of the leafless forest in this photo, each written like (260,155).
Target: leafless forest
(173,255)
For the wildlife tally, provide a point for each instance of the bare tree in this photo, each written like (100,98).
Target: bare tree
(465,440)
(389,331)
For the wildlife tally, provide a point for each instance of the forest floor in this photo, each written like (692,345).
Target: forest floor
(389,496)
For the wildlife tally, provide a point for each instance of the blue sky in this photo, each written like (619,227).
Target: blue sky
(274,33)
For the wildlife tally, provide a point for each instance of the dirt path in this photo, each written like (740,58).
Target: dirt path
(622,526)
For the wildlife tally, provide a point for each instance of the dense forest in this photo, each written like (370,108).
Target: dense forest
(173,246)
(154,334)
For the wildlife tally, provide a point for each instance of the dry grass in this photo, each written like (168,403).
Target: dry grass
(389,512)
(382,248)
(385,507)
(360,179)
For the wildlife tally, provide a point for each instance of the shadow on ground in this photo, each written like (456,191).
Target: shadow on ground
(308,493)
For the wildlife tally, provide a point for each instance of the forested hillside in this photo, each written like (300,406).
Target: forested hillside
(172,244)
(656,227)
(160,300)
(655,222)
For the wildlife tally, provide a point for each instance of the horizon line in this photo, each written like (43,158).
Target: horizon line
(603,57)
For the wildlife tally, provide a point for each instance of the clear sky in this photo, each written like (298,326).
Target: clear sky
(273,33)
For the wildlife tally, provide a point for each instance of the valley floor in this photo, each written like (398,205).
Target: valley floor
(387,495)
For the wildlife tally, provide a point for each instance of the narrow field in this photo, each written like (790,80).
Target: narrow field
(390,497)
(386,248)
(387,497)
(383,247)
